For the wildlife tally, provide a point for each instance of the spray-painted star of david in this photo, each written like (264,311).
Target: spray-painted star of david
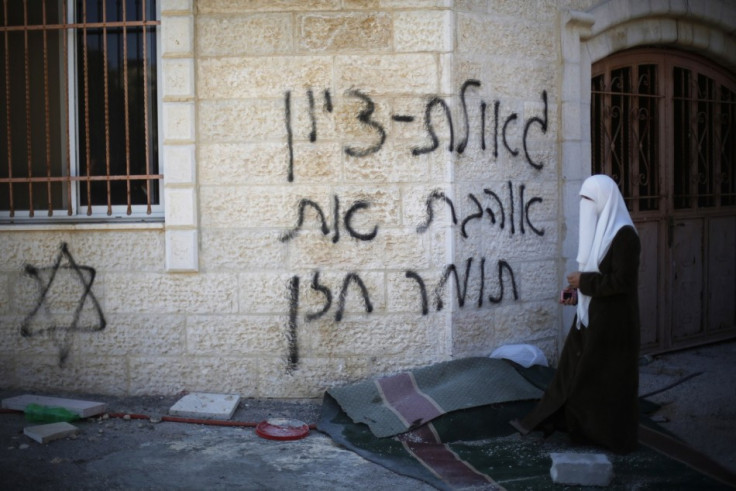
(61,331)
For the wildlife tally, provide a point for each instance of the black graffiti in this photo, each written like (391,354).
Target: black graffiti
(300,221)
(474,216)
(460,291)
(312,117)
(543,124)
(513,151)
(328,101)
(327,106)
(347,220)
(504,266)
(358,205)
(461,284)
(324,291)
(336,219)
(511,207)
(401,118)
(352,278)
(291,332)
(505,274)
(289,136)
(483,106)
(496,108)
(422,289)
(316,285)
(464,143)
(429,127)
(366,116)
(500,208)
(62,333)
(482,287)
(525,206)
(435,196)
(529,203)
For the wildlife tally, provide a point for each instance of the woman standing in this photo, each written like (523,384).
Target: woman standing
(594,393)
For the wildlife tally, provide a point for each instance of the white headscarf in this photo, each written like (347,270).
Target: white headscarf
(601,216)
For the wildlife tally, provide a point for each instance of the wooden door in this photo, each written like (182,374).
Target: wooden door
(663,126)
(721,274)
(686,278)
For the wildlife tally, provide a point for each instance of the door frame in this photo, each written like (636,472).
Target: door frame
(590,36)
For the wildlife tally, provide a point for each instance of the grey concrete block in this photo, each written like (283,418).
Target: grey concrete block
(582,469)
(84,409)
(207,406)
(50,432)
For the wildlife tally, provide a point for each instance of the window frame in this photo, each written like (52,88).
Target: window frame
(76,212)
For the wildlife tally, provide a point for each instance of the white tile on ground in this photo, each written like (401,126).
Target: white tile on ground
(84,409)
(50,432)
(581,469)
(207,406)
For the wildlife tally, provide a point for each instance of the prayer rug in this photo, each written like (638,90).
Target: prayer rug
(395,404)
(456,443)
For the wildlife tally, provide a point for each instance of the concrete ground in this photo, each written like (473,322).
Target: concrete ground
(701,410)
(118,453)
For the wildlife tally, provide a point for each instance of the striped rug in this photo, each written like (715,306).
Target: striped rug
(395,404)
(447,425)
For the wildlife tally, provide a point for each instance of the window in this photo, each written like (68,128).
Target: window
(625,140)
(704,110)
(78,111)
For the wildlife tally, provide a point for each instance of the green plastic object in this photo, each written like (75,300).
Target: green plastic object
(37,413)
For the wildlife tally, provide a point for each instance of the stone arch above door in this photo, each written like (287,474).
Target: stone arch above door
(704,27)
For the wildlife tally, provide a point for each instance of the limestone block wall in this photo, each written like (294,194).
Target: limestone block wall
(506,54)
(313,179)
(352,188)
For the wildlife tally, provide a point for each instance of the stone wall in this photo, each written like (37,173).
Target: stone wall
(352,188)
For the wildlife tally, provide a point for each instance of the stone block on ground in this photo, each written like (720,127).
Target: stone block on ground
(84,409)
(206,406)
(581,469)
(50,432)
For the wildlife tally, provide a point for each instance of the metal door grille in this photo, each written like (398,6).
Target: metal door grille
(662,125)
(705,146)
(78,107)
(625,138)
(634,100)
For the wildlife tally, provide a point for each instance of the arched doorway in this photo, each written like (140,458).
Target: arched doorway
(663,125)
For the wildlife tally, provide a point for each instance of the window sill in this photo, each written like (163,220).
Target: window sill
(21,226)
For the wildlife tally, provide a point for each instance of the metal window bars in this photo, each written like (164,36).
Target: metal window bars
(82,82)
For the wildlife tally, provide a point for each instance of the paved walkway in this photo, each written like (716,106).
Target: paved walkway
(118,453)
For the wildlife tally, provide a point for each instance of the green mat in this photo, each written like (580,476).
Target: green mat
(475,447)
(394,404)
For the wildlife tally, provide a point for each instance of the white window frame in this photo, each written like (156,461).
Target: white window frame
(99,213)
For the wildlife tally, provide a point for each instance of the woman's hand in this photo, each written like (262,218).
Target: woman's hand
(573,279)
(569,294)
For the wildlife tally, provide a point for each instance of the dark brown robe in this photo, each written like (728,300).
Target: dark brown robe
(594,393)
